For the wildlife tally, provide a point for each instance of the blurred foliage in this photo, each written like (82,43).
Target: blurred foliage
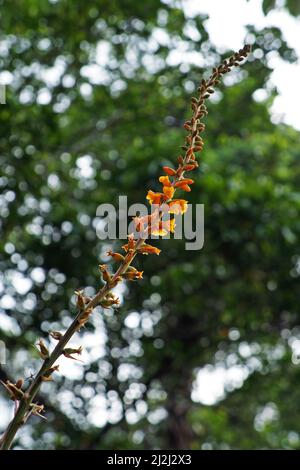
(95,107)
(293,6)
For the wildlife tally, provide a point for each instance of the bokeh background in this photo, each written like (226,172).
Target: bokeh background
(204,351)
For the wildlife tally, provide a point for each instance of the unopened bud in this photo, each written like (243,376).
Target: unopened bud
(56,335)
(19,383)
(43,352)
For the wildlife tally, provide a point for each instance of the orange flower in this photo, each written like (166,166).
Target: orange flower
(163,227)
(168,192)
(109,301)
(130,245)
(165,181)
(149,249)
(132,275)
(115,256)
(105,274)
(178,206)
(182,182)
(169,171)
(184,185)
(172,225)
(159,231)
(154,198)
(141,223)
(189,167)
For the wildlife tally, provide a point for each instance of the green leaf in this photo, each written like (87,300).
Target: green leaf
(294,7)
(268,5)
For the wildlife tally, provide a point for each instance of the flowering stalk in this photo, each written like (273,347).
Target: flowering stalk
(163,204)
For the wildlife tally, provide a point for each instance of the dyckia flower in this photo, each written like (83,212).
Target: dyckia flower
(163,227)
(155,198)
(178,206)
(155,224)
(149,250)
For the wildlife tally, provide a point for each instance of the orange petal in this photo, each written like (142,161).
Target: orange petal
(159,231)
(131,243)
(178,206)
(180,183)
(115,256)
(131,275)
(183,185)
(149,249)
(169,192)
(165,181)
(154,198)
(169,171)
(140,223)
(172,225)
(189,167)
(169,225)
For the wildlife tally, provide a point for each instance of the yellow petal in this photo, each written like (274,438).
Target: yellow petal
(165,180)
(169,191)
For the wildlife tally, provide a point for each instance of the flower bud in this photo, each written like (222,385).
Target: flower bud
(43,351)
(105,274)
(56,335)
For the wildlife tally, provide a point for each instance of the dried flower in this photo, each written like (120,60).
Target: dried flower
(105,274)
(68,352)
(19,383)
(115,256)
(36,410)
(110,301)
(15,393)
(84,316)
(56,335)
(80,302)
(133,275)
(130,246)
(46,377)
(43,351)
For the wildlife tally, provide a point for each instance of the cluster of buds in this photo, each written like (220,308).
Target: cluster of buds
(128,272)
(132,274)
(84,312)
(45,354)
(82,300)
(110,300)
(109,279)
(84,317)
